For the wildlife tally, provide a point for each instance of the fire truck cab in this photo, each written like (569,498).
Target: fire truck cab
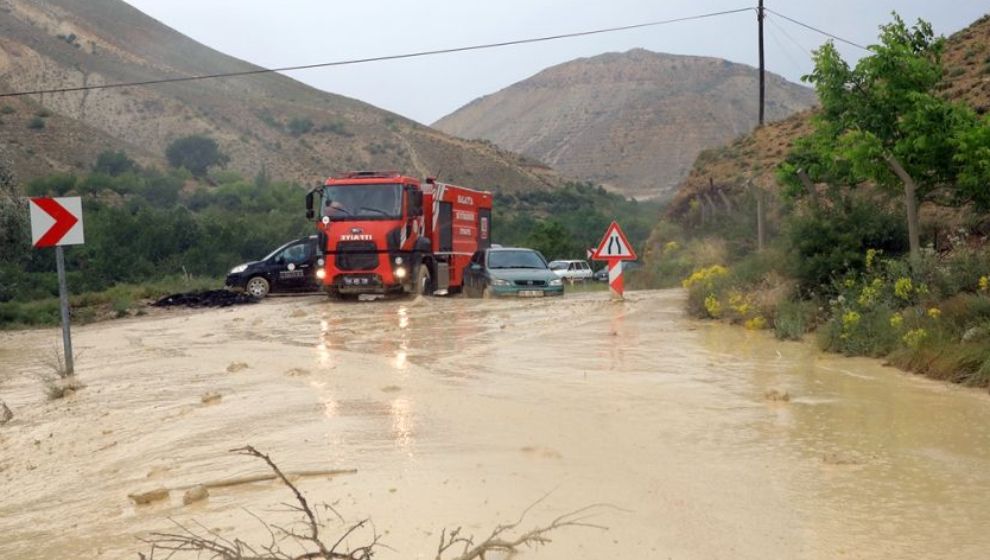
(384,232)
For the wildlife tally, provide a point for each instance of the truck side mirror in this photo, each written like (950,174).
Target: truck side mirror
(309,206)
(416,203)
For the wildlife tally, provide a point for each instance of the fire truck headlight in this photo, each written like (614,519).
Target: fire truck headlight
(321,273)
(400,272)
(320,262)
(398,260)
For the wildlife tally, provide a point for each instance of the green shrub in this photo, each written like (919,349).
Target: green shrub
(300,125)
(827,244)
(36,123)
(43,113)
(793,319)
(7,110)
(196,153)
(114,163)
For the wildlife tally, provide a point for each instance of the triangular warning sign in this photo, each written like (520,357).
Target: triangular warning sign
(614,246)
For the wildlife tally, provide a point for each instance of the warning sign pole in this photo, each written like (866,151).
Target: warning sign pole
(63,300)
(56,222)
(615,248)
(615,284)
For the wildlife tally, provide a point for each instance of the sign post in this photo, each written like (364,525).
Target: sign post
(56,222)
(615,248)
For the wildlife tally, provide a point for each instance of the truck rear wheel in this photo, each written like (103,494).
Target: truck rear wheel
(423,283)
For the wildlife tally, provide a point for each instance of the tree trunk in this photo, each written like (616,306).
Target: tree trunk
(808,186)
(911,205)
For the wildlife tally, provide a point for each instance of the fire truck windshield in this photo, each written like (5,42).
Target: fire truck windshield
(362,202)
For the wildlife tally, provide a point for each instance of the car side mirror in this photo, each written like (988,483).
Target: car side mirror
(309,206)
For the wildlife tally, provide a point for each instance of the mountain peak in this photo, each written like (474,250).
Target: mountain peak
(633,120)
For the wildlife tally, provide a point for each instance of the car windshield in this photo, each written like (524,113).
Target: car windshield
(558,265)
(361,202)
(515,259)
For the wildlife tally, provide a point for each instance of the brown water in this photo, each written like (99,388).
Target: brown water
(462,413)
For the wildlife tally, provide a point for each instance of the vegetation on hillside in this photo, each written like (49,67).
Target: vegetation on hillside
(150,232)
(563,223)
(849,257)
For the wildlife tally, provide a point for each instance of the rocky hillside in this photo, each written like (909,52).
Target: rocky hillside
(754,157)
(634,121)
(270,121)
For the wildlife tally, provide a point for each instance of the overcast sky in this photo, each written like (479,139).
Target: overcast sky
(292,32)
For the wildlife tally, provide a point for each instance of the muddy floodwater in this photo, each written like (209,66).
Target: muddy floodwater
(457,412)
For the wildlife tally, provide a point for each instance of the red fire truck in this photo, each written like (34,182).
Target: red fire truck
(384,232)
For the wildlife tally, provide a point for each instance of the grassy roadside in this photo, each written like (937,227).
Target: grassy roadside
(121,300)
(933,320)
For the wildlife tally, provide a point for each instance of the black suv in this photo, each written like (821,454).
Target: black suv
(290,268)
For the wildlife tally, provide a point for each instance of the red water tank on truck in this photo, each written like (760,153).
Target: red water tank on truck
(384,232)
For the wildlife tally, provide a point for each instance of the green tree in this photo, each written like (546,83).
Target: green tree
(197,153)
(553,240)
(114,163)
(883,122)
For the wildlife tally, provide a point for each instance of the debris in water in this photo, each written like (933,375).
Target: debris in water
(297,313)
(391,389)
(206,298)
(777,396)
(6,415)
(297,372)
(211,398)
(142,498)
(235,367)
(195,494)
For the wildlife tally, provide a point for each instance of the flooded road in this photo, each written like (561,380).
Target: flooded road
(462,413)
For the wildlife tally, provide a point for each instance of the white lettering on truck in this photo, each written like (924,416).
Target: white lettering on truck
(461,199)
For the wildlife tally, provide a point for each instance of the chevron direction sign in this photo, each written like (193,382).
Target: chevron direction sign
(56,221)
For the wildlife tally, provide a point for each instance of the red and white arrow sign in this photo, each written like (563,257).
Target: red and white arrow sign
(56,221)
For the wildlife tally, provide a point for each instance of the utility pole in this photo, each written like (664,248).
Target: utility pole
(761,234)
(760,16)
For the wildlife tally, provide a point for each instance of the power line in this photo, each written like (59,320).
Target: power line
(790,37)
(784,50)
(380,58)
(817,30)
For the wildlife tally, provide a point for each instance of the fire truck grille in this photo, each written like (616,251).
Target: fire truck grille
(531,282)
(357,255)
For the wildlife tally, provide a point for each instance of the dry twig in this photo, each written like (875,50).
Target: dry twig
(201,542)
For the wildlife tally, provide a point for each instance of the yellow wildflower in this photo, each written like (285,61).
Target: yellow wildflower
(871,255)
(670,247)
(914,338)
(705,276)
(985,283)
(712,306)
(903,288)
(897,320)
(756,323)
(850,319)
(934,312)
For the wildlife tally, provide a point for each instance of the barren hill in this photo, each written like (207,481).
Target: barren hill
(270,120)
(634,121)
(756,155)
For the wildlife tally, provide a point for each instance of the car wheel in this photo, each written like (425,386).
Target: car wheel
(258,287)
(423,283)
